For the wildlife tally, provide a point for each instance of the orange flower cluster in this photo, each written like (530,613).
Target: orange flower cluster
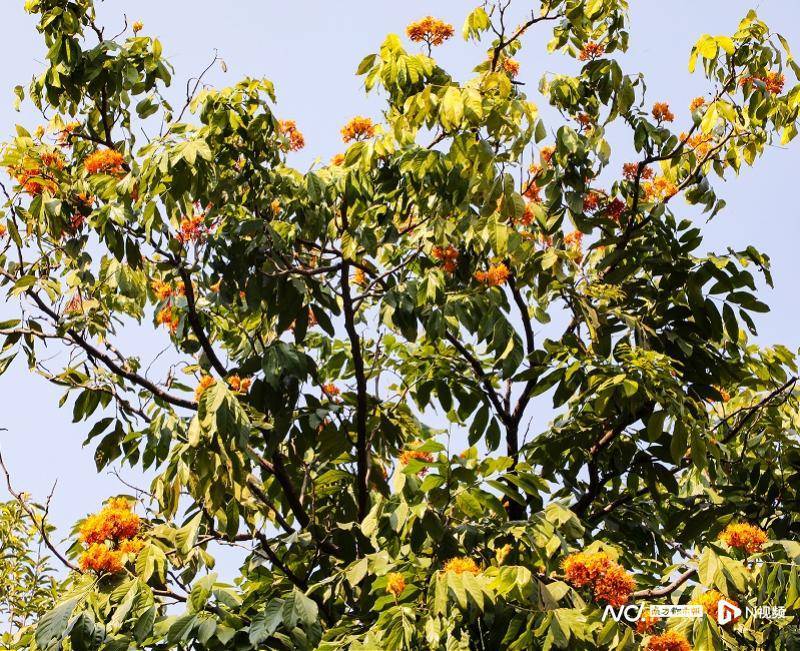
(710,599)
(288,128)
(35,181)
(430,30)
(724,393)
(697,102)
(659,189)
(662,113)
(511,66)
(359,128)
(532,192)
(668,641)
(359,277)
(547,154)
(206,382)
(110,536)
(407,455)
(447,255)
(75,304)
(192,229)
(395,584)
(584,119)
(138,26)
(461,565)
(744,536)
(337,160)
(331,390)
(162,290)
(646,622)
(168,316)
(495,276)
(592,50)
(773,82)
(609,581)
(239,385)
(699,143)
(629,171)
(529,215)
(105,161)
(574,240)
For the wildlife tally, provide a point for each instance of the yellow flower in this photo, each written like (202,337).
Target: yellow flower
(359,128)
(138,26)
(710,599)
(395,584)
(430,30)
(495,276)
(462,564)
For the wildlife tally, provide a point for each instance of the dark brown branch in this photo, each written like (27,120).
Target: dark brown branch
(665,590)
(197,327)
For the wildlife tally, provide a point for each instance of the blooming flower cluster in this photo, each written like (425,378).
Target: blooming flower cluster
(430,30)
(592,50)
(395,584)
(105,161)
(337,160)
(295,139)
(511,66)
(238,384)
(699,143)
(773,81)
(662,113)
(668,641)
(192,229)
(710,599)
(744,536)
(65,135)
(495,276)
(169,317)
(447,255)
(138,26)
(359,128)
(408,455)
(697,102)
(110,537)
(608,579)
(646,622)
(629,171)
(659,189)
(461,565)
(206,382)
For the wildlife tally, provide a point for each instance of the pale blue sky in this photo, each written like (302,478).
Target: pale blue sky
(310,49)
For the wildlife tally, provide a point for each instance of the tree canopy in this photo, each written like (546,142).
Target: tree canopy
(356,351)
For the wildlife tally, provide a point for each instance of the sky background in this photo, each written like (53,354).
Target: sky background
(310,50)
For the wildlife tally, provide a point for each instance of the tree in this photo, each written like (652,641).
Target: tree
(334,333)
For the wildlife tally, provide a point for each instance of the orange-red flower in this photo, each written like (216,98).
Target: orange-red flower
(206,382)
(697,103)
(592,50)
(744,536)
(337,160)
(668,641)
(430,30)
(239,385)
(547,154)
(646,622)
(408,455)
(699,143)
(461,565)
(359,128)
(168,316)
(591,201)
(105,161)
(629,171)
(295,139)
(511,66)
(608,579)
(614,209)
(773,82)
(447,255)
(192,229)
(331,390)
(662,113)
(495,276)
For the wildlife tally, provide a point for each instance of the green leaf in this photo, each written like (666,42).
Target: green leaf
(53,624)
(266,622)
